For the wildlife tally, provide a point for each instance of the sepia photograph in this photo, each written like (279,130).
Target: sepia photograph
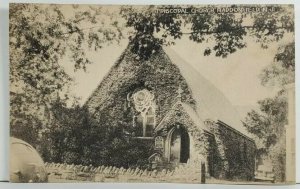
(198,94)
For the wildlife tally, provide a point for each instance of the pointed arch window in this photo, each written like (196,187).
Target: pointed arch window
(144,121)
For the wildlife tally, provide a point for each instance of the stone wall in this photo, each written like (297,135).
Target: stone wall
(184,173)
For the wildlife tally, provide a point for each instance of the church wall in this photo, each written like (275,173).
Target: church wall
(193,151)
(235,153)
(215,165)
(158,75)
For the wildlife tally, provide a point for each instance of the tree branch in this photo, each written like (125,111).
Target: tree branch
(213,32)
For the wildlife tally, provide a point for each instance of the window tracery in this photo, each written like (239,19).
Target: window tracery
(144,120)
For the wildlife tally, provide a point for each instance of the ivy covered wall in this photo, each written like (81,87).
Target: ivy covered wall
(108,103)
(235,154)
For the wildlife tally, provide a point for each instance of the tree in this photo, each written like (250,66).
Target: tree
(64,141)
(76,139)
(268,125)
(153,28)
(40,35)
(282,71)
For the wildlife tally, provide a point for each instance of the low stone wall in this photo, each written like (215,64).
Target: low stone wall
(184,173)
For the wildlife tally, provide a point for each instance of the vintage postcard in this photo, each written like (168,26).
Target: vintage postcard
(152,93)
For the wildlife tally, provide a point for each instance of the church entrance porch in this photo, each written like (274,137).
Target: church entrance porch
(177,145)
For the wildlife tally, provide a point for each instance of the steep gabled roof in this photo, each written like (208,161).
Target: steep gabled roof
(210,102)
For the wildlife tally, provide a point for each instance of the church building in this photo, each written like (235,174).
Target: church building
(167,103)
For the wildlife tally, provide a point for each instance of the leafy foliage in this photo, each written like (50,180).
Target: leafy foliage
(268,125)
(286,56)
(269,27)
(152,29)
(282,71)
(76,138)
(40,35)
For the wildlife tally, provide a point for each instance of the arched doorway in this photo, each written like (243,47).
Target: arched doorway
(179,145)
